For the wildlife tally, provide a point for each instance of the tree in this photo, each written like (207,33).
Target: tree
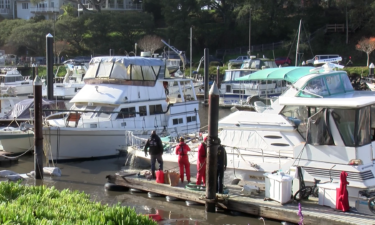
(32,36)
(150,43)
(366,45)
(61,46)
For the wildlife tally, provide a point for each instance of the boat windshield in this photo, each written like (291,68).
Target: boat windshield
(353,125)
(228,76)
(326,85)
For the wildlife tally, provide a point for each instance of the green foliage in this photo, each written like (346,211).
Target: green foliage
(21,204)
(352,71)
(42,71)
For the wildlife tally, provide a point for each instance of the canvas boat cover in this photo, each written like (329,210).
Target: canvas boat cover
(21,110)
(290,74)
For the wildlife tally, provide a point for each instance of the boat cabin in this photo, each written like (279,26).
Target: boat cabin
(133,93)
(338,125)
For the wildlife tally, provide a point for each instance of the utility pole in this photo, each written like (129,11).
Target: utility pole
(191,49)
(299,31)
(54,41)
(249,32)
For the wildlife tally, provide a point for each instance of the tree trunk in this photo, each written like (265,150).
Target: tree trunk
(368,59)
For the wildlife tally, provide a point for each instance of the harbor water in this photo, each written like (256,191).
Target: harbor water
(90,177)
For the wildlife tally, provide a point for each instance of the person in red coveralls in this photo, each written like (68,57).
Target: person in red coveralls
(183,159)
(201,162)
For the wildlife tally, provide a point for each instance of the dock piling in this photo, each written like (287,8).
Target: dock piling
(211,169)
(49,54)
(38,132)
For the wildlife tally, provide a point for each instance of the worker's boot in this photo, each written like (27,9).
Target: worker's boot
(153,175)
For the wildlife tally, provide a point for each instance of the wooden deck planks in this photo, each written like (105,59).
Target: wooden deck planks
(313,213)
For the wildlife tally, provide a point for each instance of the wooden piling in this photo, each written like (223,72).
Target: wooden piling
(206,77)
(38,132)
(211,168)
(218,77)
(49,53)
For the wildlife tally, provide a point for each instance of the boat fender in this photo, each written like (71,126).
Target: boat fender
(170,198)
(135,190)
(115,187)
(189,203)
(153,194)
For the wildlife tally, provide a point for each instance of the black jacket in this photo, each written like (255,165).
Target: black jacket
(154,144)
(221,157)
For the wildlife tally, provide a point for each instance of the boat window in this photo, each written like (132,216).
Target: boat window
(191,119)
(155,109)
(177,121)
(142,111)
(105,112)
(126,113)
(91,71)
(318,129)
(236,74)
(334,84)
(314,88)
(298,115)
(228,89)
(78,107)
(345,122)
(228,76)
(119,71)
(255,64)
(105,69)
(347,84)
(363,133)
(270,64)
(89,108)
(238,91)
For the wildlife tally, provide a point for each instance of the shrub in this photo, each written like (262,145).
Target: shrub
(21,204)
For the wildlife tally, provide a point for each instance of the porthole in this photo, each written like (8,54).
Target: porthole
(280,144)
(273,136)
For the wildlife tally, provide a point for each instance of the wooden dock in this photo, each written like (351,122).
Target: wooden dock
(254,205)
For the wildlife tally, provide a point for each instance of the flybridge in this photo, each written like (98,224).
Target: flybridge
(138,71)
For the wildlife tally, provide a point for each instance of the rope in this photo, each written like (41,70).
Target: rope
(16,157)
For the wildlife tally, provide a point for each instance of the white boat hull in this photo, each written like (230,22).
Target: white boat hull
(241,167)
(72,143)
(17,141)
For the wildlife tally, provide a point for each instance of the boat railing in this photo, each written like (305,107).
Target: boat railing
(138,141)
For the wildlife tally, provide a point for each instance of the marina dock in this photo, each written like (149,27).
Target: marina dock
(254,205)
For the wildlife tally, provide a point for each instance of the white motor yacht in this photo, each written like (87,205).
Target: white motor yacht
(120,94)
(320,124)
(13,83)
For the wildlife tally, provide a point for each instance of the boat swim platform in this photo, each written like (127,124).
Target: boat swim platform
(256,205)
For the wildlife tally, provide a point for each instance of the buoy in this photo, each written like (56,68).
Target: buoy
(170,198)
(155,217)
(152,195)
(115,187)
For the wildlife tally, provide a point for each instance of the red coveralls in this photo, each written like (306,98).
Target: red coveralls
(183,160)
(201,164)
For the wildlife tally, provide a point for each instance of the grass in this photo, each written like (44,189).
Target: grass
(21,204)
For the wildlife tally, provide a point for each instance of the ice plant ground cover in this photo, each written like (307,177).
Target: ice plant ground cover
(20,204)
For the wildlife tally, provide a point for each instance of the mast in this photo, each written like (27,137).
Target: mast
(299,31)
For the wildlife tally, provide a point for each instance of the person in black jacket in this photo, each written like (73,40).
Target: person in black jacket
(155,150)
(221,167)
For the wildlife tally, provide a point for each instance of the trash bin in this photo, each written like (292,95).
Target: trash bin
(327,194)
(278,187)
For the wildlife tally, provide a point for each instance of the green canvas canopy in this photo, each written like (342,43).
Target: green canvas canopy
(290,74)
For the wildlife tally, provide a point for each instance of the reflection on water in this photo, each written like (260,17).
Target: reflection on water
(89,176)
